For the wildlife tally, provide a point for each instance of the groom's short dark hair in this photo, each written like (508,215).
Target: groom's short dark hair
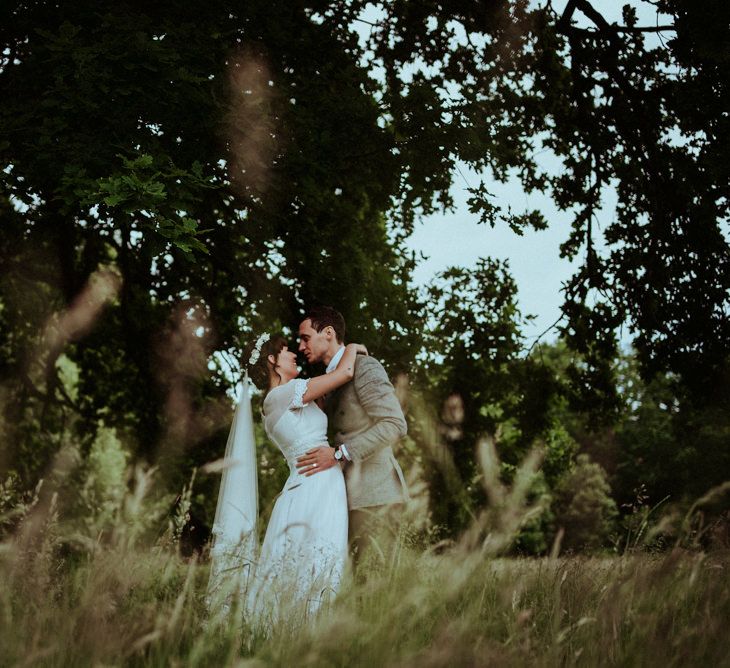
(326,316)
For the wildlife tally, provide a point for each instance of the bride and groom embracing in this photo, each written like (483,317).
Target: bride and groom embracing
(339,491)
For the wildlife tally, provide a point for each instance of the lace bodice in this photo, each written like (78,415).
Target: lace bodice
(295,426)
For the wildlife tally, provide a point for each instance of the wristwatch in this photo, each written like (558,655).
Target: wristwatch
(339,455)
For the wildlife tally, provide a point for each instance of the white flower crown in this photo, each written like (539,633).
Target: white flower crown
(256,352)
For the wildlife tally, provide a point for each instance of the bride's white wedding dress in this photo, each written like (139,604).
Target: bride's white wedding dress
(305,548)
(304,553)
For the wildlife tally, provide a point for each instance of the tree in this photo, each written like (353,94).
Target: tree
(473,365)
(202,154)
(584,507)
(495,83)
(668,444)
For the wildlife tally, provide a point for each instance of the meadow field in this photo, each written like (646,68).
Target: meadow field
(125,596)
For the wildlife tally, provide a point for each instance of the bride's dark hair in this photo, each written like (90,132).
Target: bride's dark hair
(259,370)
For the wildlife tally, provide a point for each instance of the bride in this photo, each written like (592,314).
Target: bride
(304,552)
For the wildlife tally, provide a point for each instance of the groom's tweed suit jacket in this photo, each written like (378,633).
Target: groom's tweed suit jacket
(366,416)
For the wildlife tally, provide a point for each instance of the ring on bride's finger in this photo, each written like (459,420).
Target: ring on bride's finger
(314,466)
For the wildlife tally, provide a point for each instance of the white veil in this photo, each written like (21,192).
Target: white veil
(235,540)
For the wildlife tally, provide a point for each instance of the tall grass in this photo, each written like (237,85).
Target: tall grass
(123,596)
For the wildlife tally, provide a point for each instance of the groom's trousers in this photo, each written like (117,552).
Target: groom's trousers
(374,528)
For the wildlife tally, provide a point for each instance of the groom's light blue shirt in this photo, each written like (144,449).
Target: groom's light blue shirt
(335,360)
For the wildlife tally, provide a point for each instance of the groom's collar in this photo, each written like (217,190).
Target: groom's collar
(335,360)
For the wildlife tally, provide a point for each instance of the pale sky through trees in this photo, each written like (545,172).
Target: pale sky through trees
(456,238)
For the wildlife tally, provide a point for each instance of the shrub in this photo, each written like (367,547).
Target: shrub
(584,507)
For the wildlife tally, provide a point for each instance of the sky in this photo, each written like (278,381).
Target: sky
(457,239)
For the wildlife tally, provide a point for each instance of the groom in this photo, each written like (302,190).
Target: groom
(367,421)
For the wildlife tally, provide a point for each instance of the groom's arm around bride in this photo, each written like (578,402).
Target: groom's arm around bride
(365,416)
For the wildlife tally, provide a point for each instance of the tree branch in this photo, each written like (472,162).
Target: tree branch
(614,30)
(563,24)
(564,21)
(638,29)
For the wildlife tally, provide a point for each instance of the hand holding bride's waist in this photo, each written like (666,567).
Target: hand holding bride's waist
(315,460)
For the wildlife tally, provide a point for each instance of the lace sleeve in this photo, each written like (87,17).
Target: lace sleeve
(297,400)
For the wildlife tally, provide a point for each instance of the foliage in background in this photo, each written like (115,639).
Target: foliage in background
(584,507)
(232,169)
(496,84)
(202,154)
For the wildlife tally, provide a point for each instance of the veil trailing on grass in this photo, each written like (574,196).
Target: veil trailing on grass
(235,542)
